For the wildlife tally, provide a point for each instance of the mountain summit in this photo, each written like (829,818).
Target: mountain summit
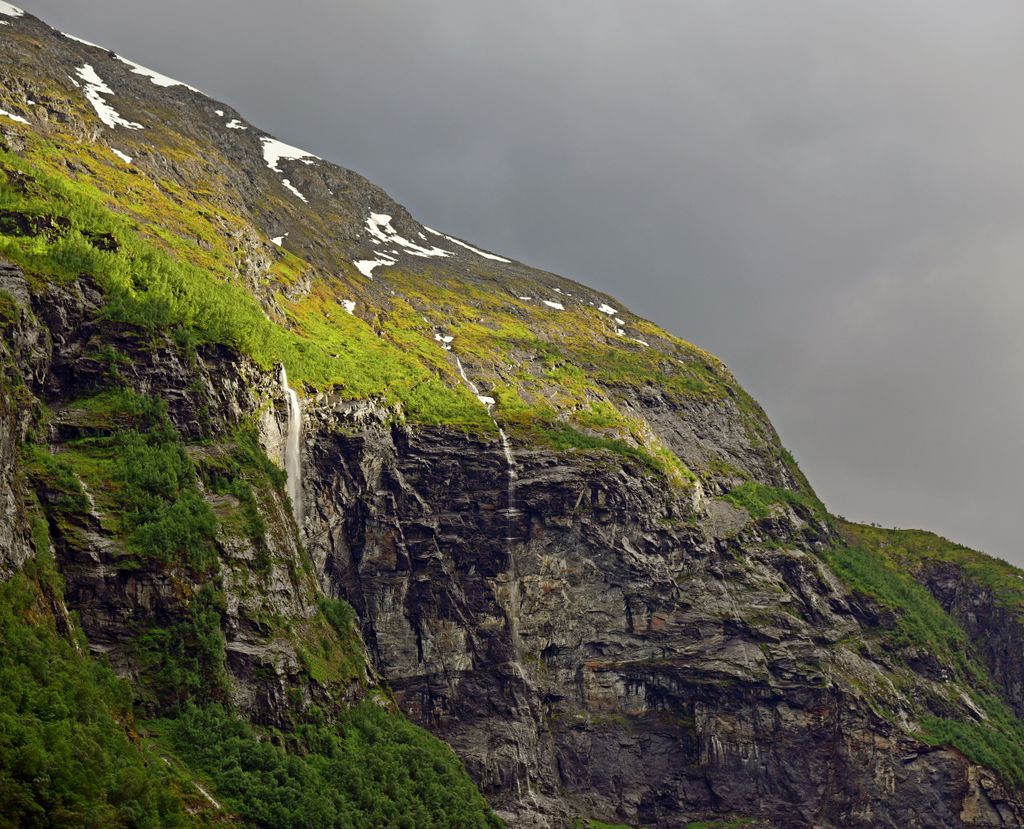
(297,490)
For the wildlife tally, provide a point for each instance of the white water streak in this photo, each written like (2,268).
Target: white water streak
(292,451)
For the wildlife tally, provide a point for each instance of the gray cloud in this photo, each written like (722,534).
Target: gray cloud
(828,195)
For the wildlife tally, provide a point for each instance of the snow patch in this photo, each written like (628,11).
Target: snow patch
(13,117)
(558,290)
(645,345)
(487,401)
(127,159)
(278,240)
(349,305)
(81,40)
(607,309)
(235,124)
(9,10)
(444,339)
(478,252)
(379,225)
(366,266)
(275,151)
(95,89)
(288,185)
(154,77)
(526,298)
(620,332)
(219,113)
(620,322)
(469,247)
(556,305)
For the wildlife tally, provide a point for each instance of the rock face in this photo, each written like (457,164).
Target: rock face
(588,640)
(63,332)
(584,658)
(626,612)
(995,629)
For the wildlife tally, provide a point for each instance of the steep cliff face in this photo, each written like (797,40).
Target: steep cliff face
(575,548)
(995,629)
(591,643)
(267,588)
(984,595)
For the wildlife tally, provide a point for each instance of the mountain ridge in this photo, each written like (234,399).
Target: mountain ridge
(574,548)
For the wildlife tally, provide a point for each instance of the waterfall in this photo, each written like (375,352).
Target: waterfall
(506,446)
(510,512)
(292,452)
(466,380)
(509,459)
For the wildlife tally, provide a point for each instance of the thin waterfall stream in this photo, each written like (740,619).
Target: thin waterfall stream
(510,512)
(292,451)
(506,446)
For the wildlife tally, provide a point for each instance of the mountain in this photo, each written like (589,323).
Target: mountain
(297,490)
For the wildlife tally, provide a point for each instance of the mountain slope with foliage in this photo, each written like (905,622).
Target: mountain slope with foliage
(523,521)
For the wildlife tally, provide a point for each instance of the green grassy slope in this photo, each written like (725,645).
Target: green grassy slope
(880,564)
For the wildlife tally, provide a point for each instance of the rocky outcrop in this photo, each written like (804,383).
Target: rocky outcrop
(588,639)
(24,349)
(995,629)
(590,645)
(268,589)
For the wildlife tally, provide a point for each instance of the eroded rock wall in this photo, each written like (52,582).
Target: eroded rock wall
(605,647)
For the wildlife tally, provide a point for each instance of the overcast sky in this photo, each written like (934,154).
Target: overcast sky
(828,195)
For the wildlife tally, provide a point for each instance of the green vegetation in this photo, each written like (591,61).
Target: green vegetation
(71,756)
(136,464)
(911,549)
(65,756)
(758,499)
(161,510)
(647,450)
(183,660)
(375,770)
(880,572)
(329,644)
(237,467)
(146,286)
(164,265)
(997,742)
(565,438)
(9,313)
(920,620)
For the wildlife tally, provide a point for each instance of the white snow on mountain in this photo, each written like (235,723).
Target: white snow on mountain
(478,252)
(379,225)
(155,77)
(95,89)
